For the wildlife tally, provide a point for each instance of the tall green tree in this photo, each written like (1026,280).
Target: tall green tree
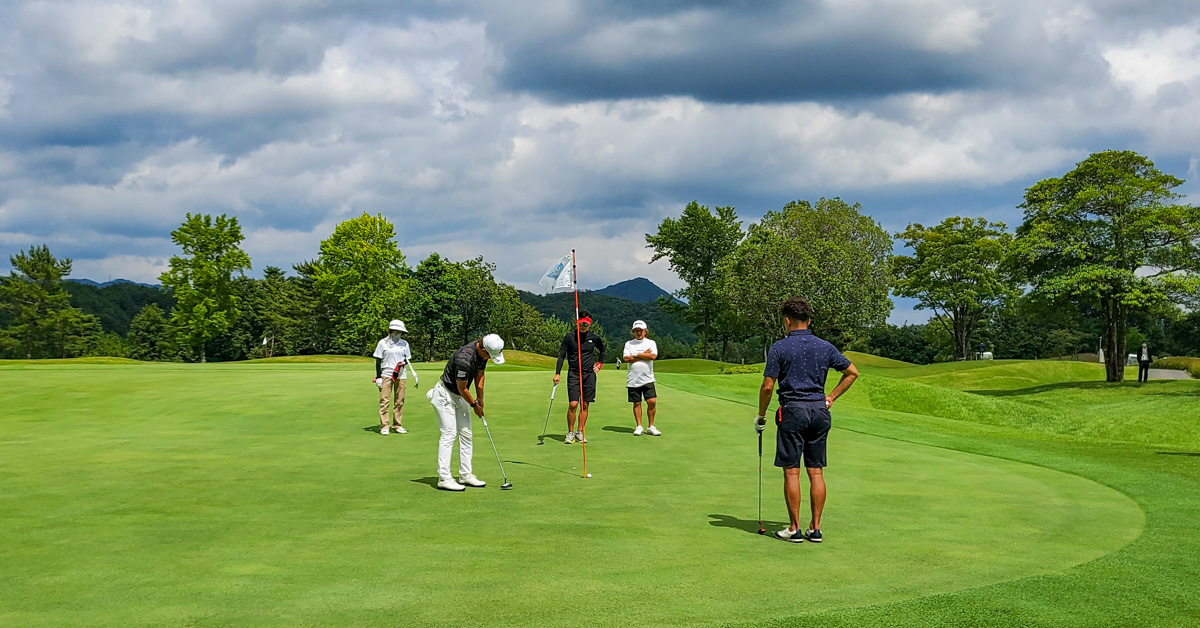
(42,323)
(361,274)
(202,278)
(435,303)
(477,296)
(694,246)
(957,270)
(1110,233)
(151,337)
(831,254)
(278,310)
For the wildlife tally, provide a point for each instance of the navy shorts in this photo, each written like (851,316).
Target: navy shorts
(638,393)
(800,437)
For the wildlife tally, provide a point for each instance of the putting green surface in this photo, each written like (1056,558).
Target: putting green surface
(240,495)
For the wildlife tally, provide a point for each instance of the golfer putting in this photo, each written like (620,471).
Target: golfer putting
(587,357)
(800,363)
(640,354)
(452,401)
(393,359)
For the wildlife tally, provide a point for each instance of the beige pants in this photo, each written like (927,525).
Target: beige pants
(392,393)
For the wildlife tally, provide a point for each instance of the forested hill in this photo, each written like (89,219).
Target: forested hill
(640,290)
(614,314)
(116,303)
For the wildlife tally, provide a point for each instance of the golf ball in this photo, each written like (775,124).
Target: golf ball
(589,475)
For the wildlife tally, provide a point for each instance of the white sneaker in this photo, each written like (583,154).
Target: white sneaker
(383,431)
(579,437)
(471,480)
(637,431)
(400,430)
(570,438)
(450,485)
(653,431)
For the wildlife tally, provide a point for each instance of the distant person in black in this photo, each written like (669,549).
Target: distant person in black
(800,363)
(591,350)
(1145,357)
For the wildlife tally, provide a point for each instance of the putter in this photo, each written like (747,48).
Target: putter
(542,438)
(761,529)
(507,485)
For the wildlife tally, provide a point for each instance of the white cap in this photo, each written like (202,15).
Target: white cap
(639,324)
(495,346)
(397,326)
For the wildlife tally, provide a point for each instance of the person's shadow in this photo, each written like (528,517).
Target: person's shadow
(618,428)
(746,525)
(432,481)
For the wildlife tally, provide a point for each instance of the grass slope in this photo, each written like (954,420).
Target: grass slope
(244,495)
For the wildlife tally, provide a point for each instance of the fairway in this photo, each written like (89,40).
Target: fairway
(259,494)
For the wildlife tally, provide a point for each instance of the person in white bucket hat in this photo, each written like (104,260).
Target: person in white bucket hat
(452,401)
(392,360)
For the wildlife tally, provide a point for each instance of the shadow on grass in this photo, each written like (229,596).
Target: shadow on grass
(1194,454)
(618,428)
(372,428)
(532,464)
(746,525)
(431,481)
(1033,390)
(554,438)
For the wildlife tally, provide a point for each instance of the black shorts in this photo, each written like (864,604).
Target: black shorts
(638,393)
(800,437)
(589,387)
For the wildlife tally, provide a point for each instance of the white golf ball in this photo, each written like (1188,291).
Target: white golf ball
(589,475)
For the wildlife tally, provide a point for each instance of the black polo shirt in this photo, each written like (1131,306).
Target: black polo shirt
(799,363)
(590,349)
(464,366)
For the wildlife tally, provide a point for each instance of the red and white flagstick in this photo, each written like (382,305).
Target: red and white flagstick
(579,358)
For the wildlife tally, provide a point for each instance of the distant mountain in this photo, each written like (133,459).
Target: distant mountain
(97,284)
(639,290)
(615,314)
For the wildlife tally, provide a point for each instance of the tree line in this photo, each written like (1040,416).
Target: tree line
(1106,254)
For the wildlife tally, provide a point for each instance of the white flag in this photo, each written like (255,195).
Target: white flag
(558,276)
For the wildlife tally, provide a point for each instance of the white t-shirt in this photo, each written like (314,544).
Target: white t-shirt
(642,371)
(393,353)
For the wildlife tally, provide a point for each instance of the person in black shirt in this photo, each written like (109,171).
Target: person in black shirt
(589,349)
(453,403)
(1144,358)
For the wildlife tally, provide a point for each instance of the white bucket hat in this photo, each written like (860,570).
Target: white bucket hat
(397,325)
(495,347)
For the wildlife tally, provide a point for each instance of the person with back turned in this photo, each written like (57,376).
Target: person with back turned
(799,363)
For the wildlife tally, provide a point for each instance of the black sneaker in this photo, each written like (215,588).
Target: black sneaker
(813,536)
(790,536)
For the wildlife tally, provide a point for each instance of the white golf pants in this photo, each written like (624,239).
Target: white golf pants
(454,419)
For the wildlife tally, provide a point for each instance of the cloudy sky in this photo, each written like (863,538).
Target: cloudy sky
(519,129)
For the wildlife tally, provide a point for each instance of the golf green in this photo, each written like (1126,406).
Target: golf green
(261,494)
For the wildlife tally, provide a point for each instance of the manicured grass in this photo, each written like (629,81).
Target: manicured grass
(241,494)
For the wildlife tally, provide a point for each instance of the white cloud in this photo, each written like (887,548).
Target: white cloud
(1157,59)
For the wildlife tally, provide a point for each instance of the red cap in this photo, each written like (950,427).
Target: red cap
(585,319)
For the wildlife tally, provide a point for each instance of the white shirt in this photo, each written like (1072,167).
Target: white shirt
(392,354)
(642,371)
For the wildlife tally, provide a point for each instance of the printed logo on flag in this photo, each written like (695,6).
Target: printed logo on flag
(558,277)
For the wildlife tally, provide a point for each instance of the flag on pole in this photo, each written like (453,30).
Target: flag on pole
(558,276)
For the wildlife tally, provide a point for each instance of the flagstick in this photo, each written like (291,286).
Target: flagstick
(579,358)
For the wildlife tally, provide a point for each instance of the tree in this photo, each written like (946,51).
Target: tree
(957,271)
(361,275)
(694,246)
(42,323)
(435,302)
(1109,234)
(830,254)
(151,337)
(202,278)
(477,296)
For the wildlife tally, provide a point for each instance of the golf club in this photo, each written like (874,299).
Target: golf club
(761,529)
(542,438)
(507,485)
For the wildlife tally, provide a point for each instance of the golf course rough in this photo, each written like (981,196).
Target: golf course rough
(229,494)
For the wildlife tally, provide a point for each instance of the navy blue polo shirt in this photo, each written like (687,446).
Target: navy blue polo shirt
(799,364)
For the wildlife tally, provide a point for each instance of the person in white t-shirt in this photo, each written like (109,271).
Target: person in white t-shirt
(392,359)
(640,354)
